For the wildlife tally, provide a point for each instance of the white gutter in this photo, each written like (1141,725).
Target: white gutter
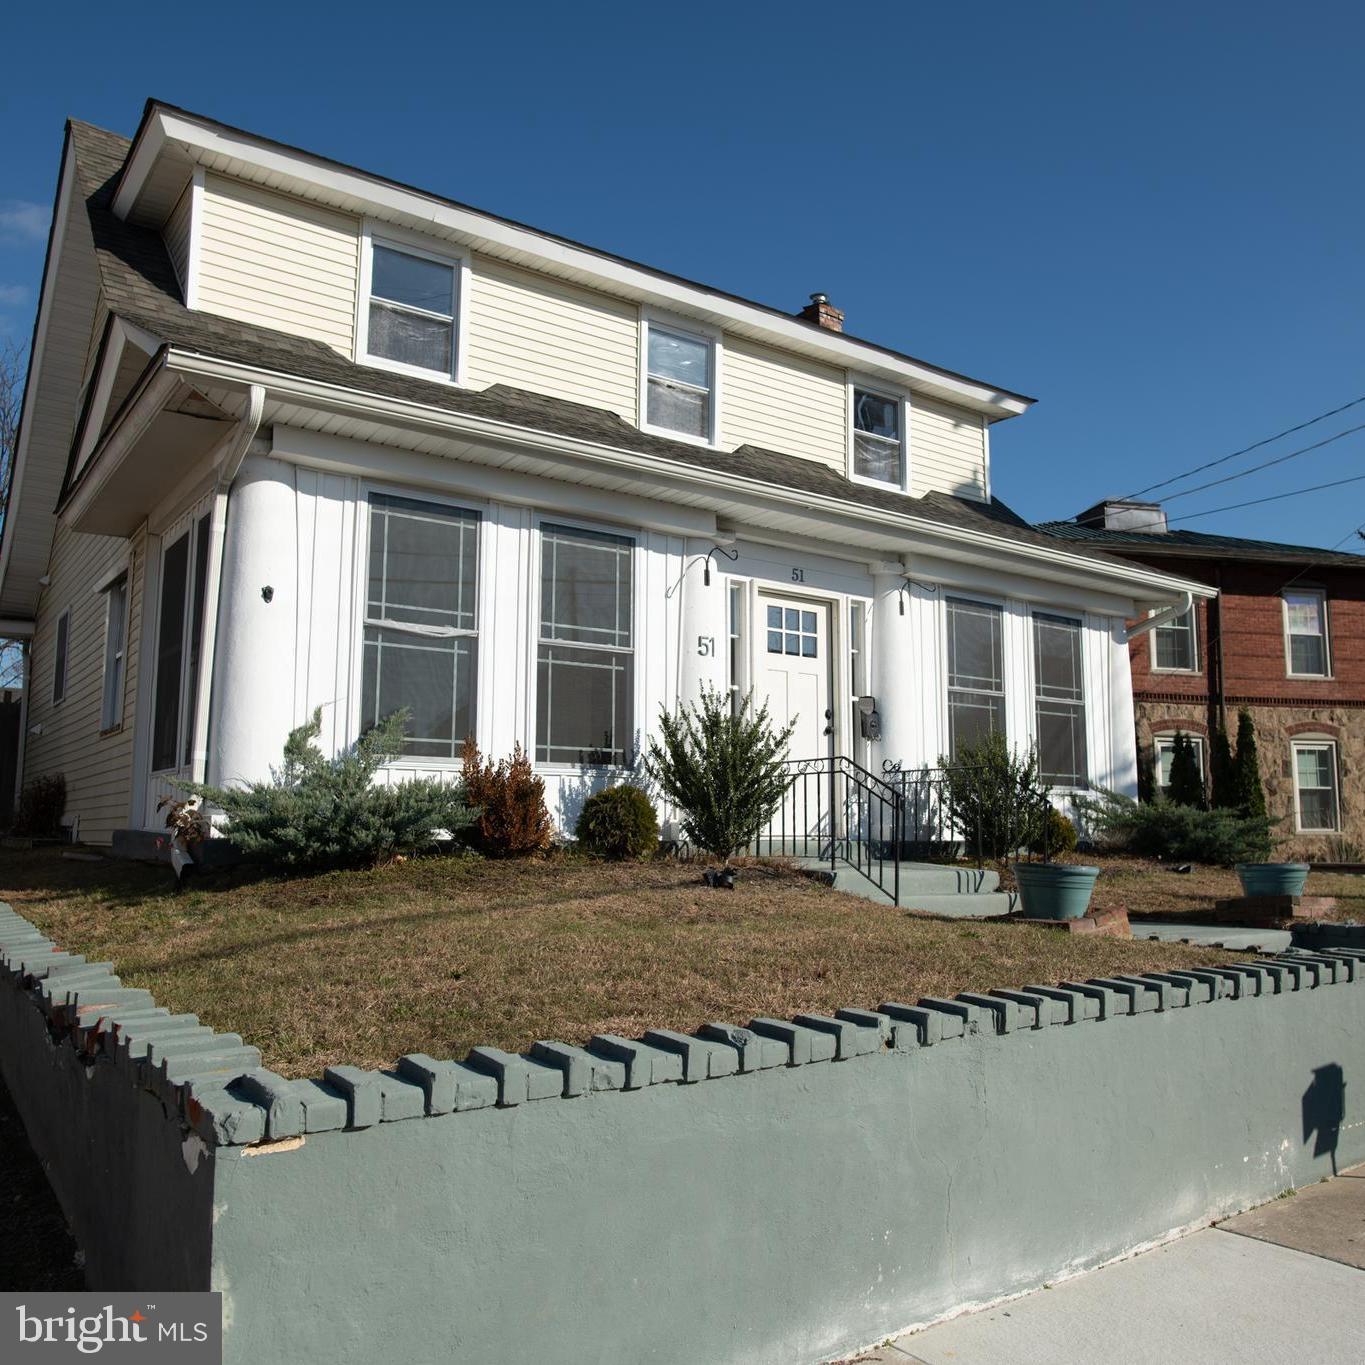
(229,462)
(1159,618)
(1044,560)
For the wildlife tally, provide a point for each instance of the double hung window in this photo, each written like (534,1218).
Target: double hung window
(679,382)
(412,310)
(976,673)
(878,441)
(1060,699)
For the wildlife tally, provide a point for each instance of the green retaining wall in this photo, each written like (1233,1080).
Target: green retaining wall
(785,1192)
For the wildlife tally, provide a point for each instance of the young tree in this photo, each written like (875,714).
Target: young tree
(1248,792)
(723,771)
(1187,783)
(1223,795)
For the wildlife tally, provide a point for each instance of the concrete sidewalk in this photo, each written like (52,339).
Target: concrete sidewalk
(1282,1282)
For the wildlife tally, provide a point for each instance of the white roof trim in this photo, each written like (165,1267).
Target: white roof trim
(195,138)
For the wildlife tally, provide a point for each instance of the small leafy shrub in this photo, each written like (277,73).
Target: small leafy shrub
(723,771)
(1187,782)
(995,797)
(509,804)
(1061,835)
(618,823)
(42,803)
(1176,833)
(318,812)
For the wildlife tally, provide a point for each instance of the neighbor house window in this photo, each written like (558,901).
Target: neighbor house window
(1164,746)
(1315,784)
(115,652)
(585,676)
(60,660)
(412,309)
(1305,628)
(679,382)
(878,441)
(1174,645)
(976,673)
(1060,699)
(421,638)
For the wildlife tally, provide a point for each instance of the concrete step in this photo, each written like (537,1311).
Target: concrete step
(929,879)
(977,906)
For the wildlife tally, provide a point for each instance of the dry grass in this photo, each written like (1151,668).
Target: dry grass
(1143,886)
(441,954)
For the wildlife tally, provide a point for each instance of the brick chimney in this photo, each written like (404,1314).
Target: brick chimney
(823,313)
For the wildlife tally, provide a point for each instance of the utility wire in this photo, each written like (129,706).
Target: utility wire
(1246,450)
(1308,568)
(1274,497)
(1256,468)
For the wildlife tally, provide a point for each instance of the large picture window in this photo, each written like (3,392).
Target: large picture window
(1060,700)
(976,673)
(585,678)
(421,617)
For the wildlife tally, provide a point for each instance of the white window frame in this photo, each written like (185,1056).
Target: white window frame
(1058,615)
(637,623)
(694,331)
(61,677)
(1195,667)
(1321,595)
(975,599)
(482,612)
(413,244)
(112,703)
(1166,738)
(1321,742)
(854,383)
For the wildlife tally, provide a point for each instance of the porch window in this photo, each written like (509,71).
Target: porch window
(62,653)
(976,673)
(1315,784)
(679,382)
(421,637)
(1060,700)
(1305,628)
(878,445)
(1174,645)
(115,652)
(585,676)
(412,308)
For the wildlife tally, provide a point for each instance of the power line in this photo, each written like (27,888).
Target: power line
(1266,464)
(1274,497)
(1246,450)
(1308,568)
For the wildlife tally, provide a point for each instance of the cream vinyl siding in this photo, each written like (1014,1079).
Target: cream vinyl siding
(537,333)
(177,238)
(98,767)
(947,450)
(783,403)
(278,262)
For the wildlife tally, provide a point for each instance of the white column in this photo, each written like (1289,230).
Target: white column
(254,655)
(894,680)
(704,626)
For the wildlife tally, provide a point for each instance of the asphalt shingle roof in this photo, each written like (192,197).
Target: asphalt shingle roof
(1198,545)
(140,286)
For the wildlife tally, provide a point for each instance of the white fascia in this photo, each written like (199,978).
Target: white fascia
(328,182)
(1145,587)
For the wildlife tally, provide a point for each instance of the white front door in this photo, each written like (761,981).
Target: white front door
(794,672)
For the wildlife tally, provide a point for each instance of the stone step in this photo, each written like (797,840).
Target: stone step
(977,906)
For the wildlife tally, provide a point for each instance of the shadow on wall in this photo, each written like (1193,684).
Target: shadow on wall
(1324,1110)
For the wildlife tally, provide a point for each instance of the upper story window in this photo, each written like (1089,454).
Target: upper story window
(1060,701)
(1305,630)
(878,438)
(976,673)
(679,382)
(1175,647)
(411,301)
(421,635)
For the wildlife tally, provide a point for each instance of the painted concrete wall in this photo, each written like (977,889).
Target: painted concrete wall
(784,1193)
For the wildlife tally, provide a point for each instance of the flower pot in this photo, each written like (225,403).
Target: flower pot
(1272,879)
(1054,890)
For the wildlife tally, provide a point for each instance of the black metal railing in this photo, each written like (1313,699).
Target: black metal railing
(836,811)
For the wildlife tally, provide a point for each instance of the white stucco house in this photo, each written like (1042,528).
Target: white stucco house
(298,436)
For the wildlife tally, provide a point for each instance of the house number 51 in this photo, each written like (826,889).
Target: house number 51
(706,645)
(798,575)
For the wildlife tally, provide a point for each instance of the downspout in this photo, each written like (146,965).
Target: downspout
(1164,617)
(233,455)
(1220,693)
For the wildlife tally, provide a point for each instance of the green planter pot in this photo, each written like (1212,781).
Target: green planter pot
(1272,879)
(1054,890)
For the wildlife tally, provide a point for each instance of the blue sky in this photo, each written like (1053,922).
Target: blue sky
(1148,216)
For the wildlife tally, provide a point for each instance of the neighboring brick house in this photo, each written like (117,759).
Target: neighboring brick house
(1284,638)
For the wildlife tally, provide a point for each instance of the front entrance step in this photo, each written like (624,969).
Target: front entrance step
(964,891)
(983,905)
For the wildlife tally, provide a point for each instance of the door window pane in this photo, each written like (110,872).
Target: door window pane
(976,677)
(1060,700)
(585,686)
(420,645)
